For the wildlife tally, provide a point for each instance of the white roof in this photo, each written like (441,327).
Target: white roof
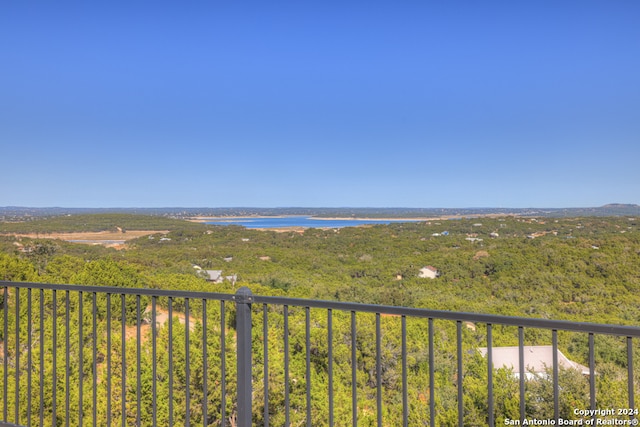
(536,358)
(214,274)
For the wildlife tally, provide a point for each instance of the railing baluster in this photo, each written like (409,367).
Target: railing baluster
(170,356)
(521,370)
(187,357)
(330,367)
(5,350)
(432,391)
(108,372)
(54,346)
(29,355)
(123,373)
(138,377)
(223,368)
(205,393)
(354,369)
(378,371)
(80,359)
(556,388)
(460,373)
(287,420)
(5,347)
(154,362)
(94,348)
(67,359)
(592,376)
(490,416)
(630,373)
(244,299)
(308,363)
(16,415)
(265,363)
(405,387)
(41,355)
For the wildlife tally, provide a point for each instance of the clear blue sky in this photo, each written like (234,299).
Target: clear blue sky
(327,103)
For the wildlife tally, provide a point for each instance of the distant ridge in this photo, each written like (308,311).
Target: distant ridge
(17,213)
(621,206)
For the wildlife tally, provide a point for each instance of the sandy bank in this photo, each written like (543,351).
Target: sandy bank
(232,218)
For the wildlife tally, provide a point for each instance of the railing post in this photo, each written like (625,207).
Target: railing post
(244,299)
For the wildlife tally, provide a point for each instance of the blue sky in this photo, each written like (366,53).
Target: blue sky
(362,104)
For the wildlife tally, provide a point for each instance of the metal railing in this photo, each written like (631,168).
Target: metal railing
(79,355)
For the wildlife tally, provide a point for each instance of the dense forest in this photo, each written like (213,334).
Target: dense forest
(585,269)
(579,268)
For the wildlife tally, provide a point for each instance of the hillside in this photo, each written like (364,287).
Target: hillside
(69,223)
(569,268)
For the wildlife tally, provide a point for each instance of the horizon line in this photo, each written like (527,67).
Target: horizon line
(316,207)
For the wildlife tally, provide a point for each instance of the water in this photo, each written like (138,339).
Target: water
(299,221)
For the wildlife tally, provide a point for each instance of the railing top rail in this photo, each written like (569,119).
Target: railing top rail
(121,290)
(560,325)
(494,319)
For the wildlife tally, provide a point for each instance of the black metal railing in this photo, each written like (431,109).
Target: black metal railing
(79,355)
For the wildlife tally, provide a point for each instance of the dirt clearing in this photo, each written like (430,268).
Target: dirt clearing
(115,239)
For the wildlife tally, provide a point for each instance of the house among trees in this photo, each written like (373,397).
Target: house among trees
(429,272)
(537,359)
(214,276)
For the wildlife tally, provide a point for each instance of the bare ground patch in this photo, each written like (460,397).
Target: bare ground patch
(115,239)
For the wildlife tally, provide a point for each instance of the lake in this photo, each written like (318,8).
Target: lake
(298,221)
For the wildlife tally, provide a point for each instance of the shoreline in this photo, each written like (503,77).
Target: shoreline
(415,218)
(357,218)
(231,218)
(347,218)
(306,223)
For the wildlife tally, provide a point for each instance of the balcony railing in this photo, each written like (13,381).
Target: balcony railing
(105,356)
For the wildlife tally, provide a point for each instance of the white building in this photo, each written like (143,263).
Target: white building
(428,272)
